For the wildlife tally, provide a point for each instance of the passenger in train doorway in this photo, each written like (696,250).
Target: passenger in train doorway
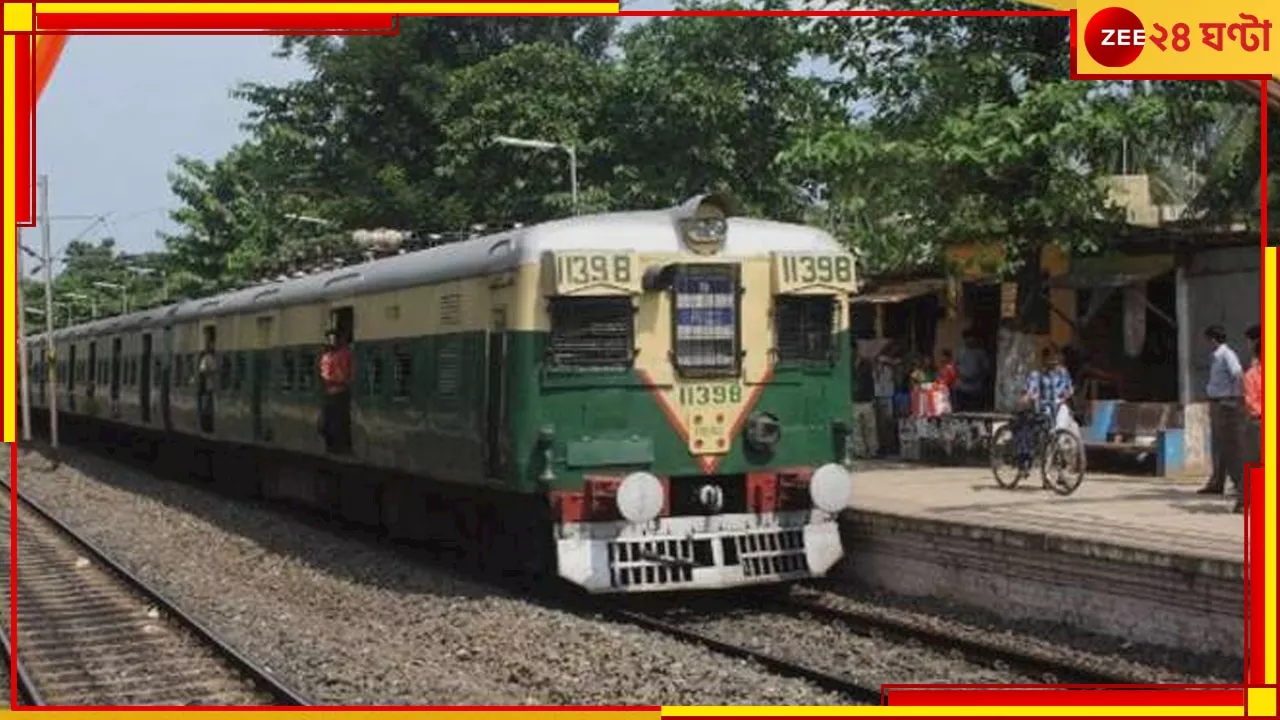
(206,371)
(335,375)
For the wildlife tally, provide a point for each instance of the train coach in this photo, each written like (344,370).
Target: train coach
(634,401)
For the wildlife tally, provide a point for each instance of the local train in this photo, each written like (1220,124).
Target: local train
(633,401)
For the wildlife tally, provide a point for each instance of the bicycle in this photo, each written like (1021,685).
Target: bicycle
(1054,450)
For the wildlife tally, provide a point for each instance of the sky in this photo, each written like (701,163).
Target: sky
(119,110)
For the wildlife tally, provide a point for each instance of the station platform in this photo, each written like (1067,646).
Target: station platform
(1142,558)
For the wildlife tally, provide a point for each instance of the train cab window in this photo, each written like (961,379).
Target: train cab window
(592,333)
(403,377)
(804,328)
(706,320)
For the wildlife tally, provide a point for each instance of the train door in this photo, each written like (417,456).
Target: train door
(166,376)
(337,407)
(117,361)
(206,368)
(144,379)
(71,378)
(92,378)
(496,447)
(260,382)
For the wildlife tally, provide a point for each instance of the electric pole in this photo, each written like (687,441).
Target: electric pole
(23,367)
(46,243)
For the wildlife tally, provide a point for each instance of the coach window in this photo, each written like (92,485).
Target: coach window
(241,372)
(287,371)
(377,372)
(592,333)
(705,321)
(307,371)
(224,373)
(403,375)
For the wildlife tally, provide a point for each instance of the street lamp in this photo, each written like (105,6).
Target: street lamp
(548,145)
(164,278)
(310,219)
(124,293)
(67,307)
(93,303)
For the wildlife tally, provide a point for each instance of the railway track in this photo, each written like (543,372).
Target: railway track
(92,633)
(976,646)
(862,692)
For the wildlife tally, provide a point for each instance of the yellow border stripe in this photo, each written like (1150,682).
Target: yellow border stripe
(1269,463)
(243,8)
(10,330)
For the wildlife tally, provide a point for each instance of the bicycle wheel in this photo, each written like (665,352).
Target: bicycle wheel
(1004,460)
(1064,464)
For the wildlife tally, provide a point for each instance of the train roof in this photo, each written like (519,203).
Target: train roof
(652,231)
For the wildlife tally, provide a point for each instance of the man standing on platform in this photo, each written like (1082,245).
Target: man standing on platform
(1224,391)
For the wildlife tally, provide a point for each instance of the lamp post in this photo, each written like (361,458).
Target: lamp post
(164,278)
(124,293)
(93,303)
(46,252)
(548,145)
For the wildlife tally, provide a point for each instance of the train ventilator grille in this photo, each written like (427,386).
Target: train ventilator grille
(651,562)
(676,559)
(771,553)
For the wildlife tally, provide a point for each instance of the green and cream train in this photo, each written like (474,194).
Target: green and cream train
(633,401)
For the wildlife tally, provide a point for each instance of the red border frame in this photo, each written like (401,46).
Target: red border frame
(386,24)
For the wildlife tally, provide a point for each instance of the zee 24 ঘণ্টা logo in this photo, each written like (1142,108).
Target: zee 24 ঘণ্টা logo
(1115,37)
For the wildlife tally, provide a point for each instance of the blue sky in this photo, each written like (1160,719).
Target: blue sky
(119,110)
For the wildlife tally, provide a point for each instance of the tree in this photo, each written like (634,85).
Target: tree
(976,133)
(712,103)
(365,134)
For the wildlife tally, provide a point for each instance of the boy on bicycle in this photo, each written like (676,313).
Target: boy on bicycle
(1045,397)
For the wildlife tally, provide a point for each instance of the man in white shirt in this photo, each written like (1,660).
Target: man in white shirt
(1224,389)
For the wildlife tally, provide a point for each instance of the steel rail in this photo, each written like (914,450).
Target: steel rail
(255,673)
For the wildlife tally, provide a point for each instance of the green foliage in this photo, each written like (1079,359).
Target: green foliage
(94,277)
(939,131)
(975,133)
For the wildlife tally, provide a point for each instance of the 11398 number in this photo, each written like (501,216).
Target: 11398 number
(710,394)
(584,269)
(805,269)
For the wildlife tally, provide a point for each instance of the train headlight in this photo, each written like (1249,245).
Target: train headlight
(763,431)
(640,497)
(831,488)
(703,222)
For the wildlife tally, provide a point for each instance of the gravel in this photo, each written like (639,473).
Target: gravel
(1159,664)
(841,651)
(347,623)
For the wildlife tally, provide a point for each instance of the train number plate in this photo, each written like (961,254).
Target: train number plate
(709,413)
(610,273)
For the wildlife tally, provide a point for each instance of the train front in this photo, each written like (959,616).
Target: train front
(696,399)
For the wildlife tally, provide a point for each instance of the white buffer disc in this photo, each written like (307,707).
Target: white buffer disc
(831,488)
(640,497)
